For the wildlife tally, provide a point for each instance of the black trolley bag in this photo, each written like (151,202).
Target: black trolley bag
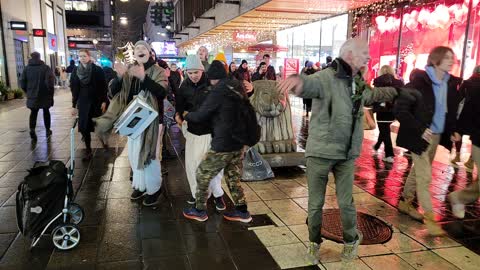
(44,203)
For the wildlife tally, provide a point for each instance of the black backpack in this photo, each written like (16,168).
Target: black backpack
(246,130)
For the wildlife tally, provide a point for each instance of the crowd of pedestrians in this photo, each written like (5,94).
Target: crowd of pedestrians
(434,108)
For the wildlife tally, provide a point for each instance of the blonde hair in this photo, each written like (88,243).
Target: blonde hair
(386,69)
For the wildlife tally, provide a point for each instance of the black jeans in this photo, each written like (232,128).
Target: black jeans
(385,137)
(46,118)
(87,137)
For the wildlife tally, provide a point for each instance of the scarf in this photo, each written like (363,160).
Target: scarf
(118,104)
(85,73)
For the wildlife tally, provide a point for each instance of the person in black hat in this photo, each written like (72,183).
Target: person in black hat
(220,109)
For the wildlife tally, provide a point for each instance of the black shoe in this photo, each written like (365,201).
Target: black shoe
(191,201)
(49,133)
(33,135)
(137,194)
(131,175)
(88,156)
(220,203)
(152,199)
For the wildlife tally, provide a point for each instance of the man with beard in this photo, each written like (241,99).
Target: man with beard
(192,93)
(335,137)
(143,152)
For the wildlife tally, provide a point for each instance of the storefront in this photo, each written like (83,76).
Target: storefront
(402,36)
(314,41)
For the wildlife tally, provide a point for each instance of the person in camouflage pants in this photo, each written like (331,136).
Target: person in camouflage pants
(212,164)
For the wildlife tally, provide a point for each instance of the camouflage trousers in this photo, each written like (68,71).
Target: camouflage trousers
(211,165)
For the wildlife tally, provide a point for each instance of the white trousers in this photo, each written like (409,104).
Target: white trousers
(196,147)
(150,178)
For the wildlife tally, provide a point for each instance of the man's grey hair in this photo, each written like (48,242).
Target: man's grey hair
(351,45)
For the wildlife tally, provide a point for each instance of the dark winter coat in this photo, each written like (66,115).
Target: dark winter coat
(243,74)
(271,74)
(148,84)
(175,79)
(71,67)
(38,83)
(220,109)
(189,98)
(385,113)
(415,114)
(469,121)
(88,99)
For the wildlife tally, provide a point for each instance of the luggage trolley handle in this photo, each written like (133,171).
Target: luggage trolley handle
(72,146)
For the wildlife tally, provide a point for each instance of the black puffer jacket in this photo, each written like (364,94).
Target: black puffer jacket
(385,111)
(220,109)
(469,121)
(189,98)
(38,83)
(420,110)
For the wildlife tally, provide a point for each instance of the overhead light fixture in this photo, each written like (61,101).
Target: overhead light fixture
(163,34)
(168,27)
(158,33)
(123,18)
(123,0)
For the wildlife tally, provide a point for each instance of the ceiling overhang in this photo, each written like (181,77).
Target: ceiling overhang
(276,15)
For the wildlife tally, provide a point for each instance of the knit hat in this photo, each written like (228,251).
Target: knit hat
(310,64)
(221,57)
(318,64)
(217,70)
(36,56)
(244,62)
(193,62)
(144,43)
(162,64)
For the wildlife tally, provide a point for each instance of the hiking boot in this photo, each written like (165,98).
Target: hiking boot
(350,250)
(469,164)
(195,214)
(434,229)
(153,199)
(220,204)
(137,194)
(33,135)
(191,201)
(388,159)
(406,207)
(237,215)
(456,159)
(458,208)
(313,253)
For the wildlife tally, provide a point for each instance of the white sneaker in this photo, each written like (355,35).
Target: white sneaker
(350,250)
(458,208)
(313,253)
(388,159)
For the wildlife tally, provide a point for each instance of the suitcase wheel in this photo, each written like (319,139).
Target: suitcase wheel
(75,213)
(66,236)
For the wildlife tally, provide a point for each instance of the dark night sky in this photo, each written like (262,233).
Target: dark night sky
(135,11)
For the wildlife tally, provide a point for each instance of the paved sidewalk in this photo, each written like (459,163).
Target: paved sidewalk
(119,234)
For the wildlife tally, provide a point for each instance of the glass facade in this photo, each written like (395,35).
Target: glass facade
(61,38)
(403,37)
(314,41)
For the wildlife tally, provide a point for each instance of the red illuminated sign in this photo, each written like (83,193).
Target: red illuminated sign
(245,36)
(39,32)
(72,45)
(53,42)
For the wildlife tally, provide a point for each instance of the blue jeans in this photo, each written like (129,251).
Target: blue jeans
(317,176)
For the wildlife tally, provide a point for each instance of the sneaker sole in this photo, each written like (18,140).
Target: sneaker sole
(220,208)
(134,199)
(151,204)
(243,220)
(201,219)
(191,203)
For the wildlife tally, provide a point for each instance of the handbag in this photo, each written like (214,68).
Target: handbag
(255,167)
(368,119)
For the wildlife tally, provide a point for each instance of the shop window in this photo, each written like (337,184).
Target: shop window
(472,55)
(334,34)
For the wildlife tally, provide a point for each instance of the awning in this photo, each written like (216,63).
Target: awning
(267,48)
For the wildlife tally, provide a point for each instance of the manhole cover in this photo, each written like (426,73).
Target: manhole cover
(375,231)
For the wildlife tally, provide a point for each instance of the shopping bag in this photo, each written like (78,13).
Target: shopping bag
(368,119)
(255,168)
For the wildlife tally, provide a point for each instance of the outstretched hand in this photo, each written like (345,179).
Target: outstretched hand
(292,83)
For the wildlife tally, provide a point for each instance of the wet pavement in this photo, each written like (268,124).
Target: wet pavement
(120,234)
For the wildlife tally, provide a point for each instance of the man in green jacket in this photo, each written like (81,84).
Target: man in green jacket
(335,137)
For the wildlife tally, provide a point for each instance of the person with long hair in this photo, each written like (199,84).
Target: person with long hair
(232,70)
(426,127)
(385,118)
(260,73)
(243,73)
(89,96)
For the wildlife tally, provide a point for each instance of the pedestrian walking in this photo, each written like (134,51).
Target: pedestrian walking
(198,135)
(384,112)
(220,109)
(89,97)
(424,127)
(339,94)
(469,123)
(38,82)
